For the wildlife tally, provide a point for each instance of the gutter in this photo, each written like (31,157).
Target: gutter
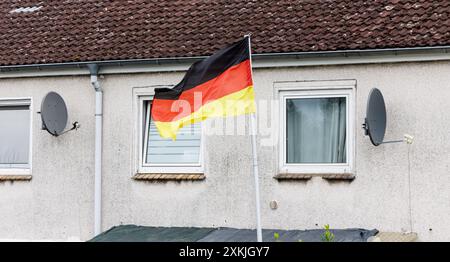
(93,70)
(256,57)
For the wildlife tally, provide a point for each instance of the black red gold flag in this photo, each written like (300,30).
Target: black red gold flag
(218,86)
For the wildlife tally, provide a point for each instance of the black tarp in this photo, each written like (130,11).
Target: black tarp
(133,233)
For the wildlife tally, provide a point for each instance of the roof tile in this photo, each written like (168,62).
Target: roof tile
(54,31)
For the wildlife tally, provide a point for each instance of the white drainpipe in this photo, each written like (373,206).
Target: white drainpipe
(93,68)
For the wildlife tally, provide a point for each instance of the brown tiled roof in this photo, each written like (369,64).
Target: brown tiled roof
(54,31)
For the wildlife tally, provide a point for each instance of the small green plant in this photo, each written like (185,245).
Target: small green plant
(276,236)
(327,236)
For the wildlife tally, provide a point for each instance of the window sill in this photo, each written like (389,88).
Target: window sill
(336,177)
(308,176)
(169,177)
(292,176)
(15,178)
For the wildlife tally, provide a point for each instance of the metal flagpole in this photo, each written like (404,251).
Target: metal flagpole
(253,122)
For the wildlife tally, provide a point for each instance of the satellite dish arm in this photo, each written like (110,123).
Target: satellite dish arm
(409,139)
(75,126)
(392,141)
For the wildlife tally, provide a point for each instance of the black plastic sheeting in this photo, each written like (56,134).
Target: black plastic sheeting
(132,233)
(314,235)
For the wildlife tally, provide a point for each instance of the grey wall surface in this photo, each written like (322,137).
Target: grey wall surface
(58,202)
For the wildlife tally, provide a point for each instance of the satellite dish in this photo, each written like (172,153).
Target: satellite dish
(375,122)
(54,114)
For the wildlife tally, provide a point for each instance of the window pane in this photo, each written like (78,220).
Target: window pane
(184,150)
(316,130)
(14,136)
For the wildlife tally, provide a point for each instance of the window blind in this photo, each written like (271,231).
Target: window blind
(184,150)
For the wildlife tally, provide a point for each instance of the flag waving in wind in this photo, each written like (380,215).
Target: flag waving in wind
(220,85)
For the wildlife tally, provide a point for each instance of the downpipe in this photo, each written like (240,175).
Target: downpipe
(93,69)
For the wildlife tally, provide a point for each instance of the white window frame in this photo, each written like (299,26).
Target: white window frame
(317,89)
(141,95)
(20,101)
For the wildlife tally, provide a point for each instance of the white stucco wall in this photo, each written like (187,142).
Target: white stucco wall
(58,202)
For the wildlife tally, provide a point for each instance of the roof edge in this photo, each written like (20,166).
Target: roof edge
(255,56)
(267,60)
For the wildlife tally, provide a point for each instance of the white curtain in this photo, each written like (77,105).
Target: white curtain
(316,130)
(14,136)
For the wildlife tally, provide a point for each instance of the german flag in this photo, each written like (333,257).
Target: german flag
(220,85)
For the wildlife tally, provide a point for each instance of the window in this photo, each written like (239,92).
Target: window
(317,129)
(15,139)
(160,155)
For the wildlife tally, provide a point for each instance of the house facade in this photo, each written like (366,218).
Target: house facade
(314,65)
